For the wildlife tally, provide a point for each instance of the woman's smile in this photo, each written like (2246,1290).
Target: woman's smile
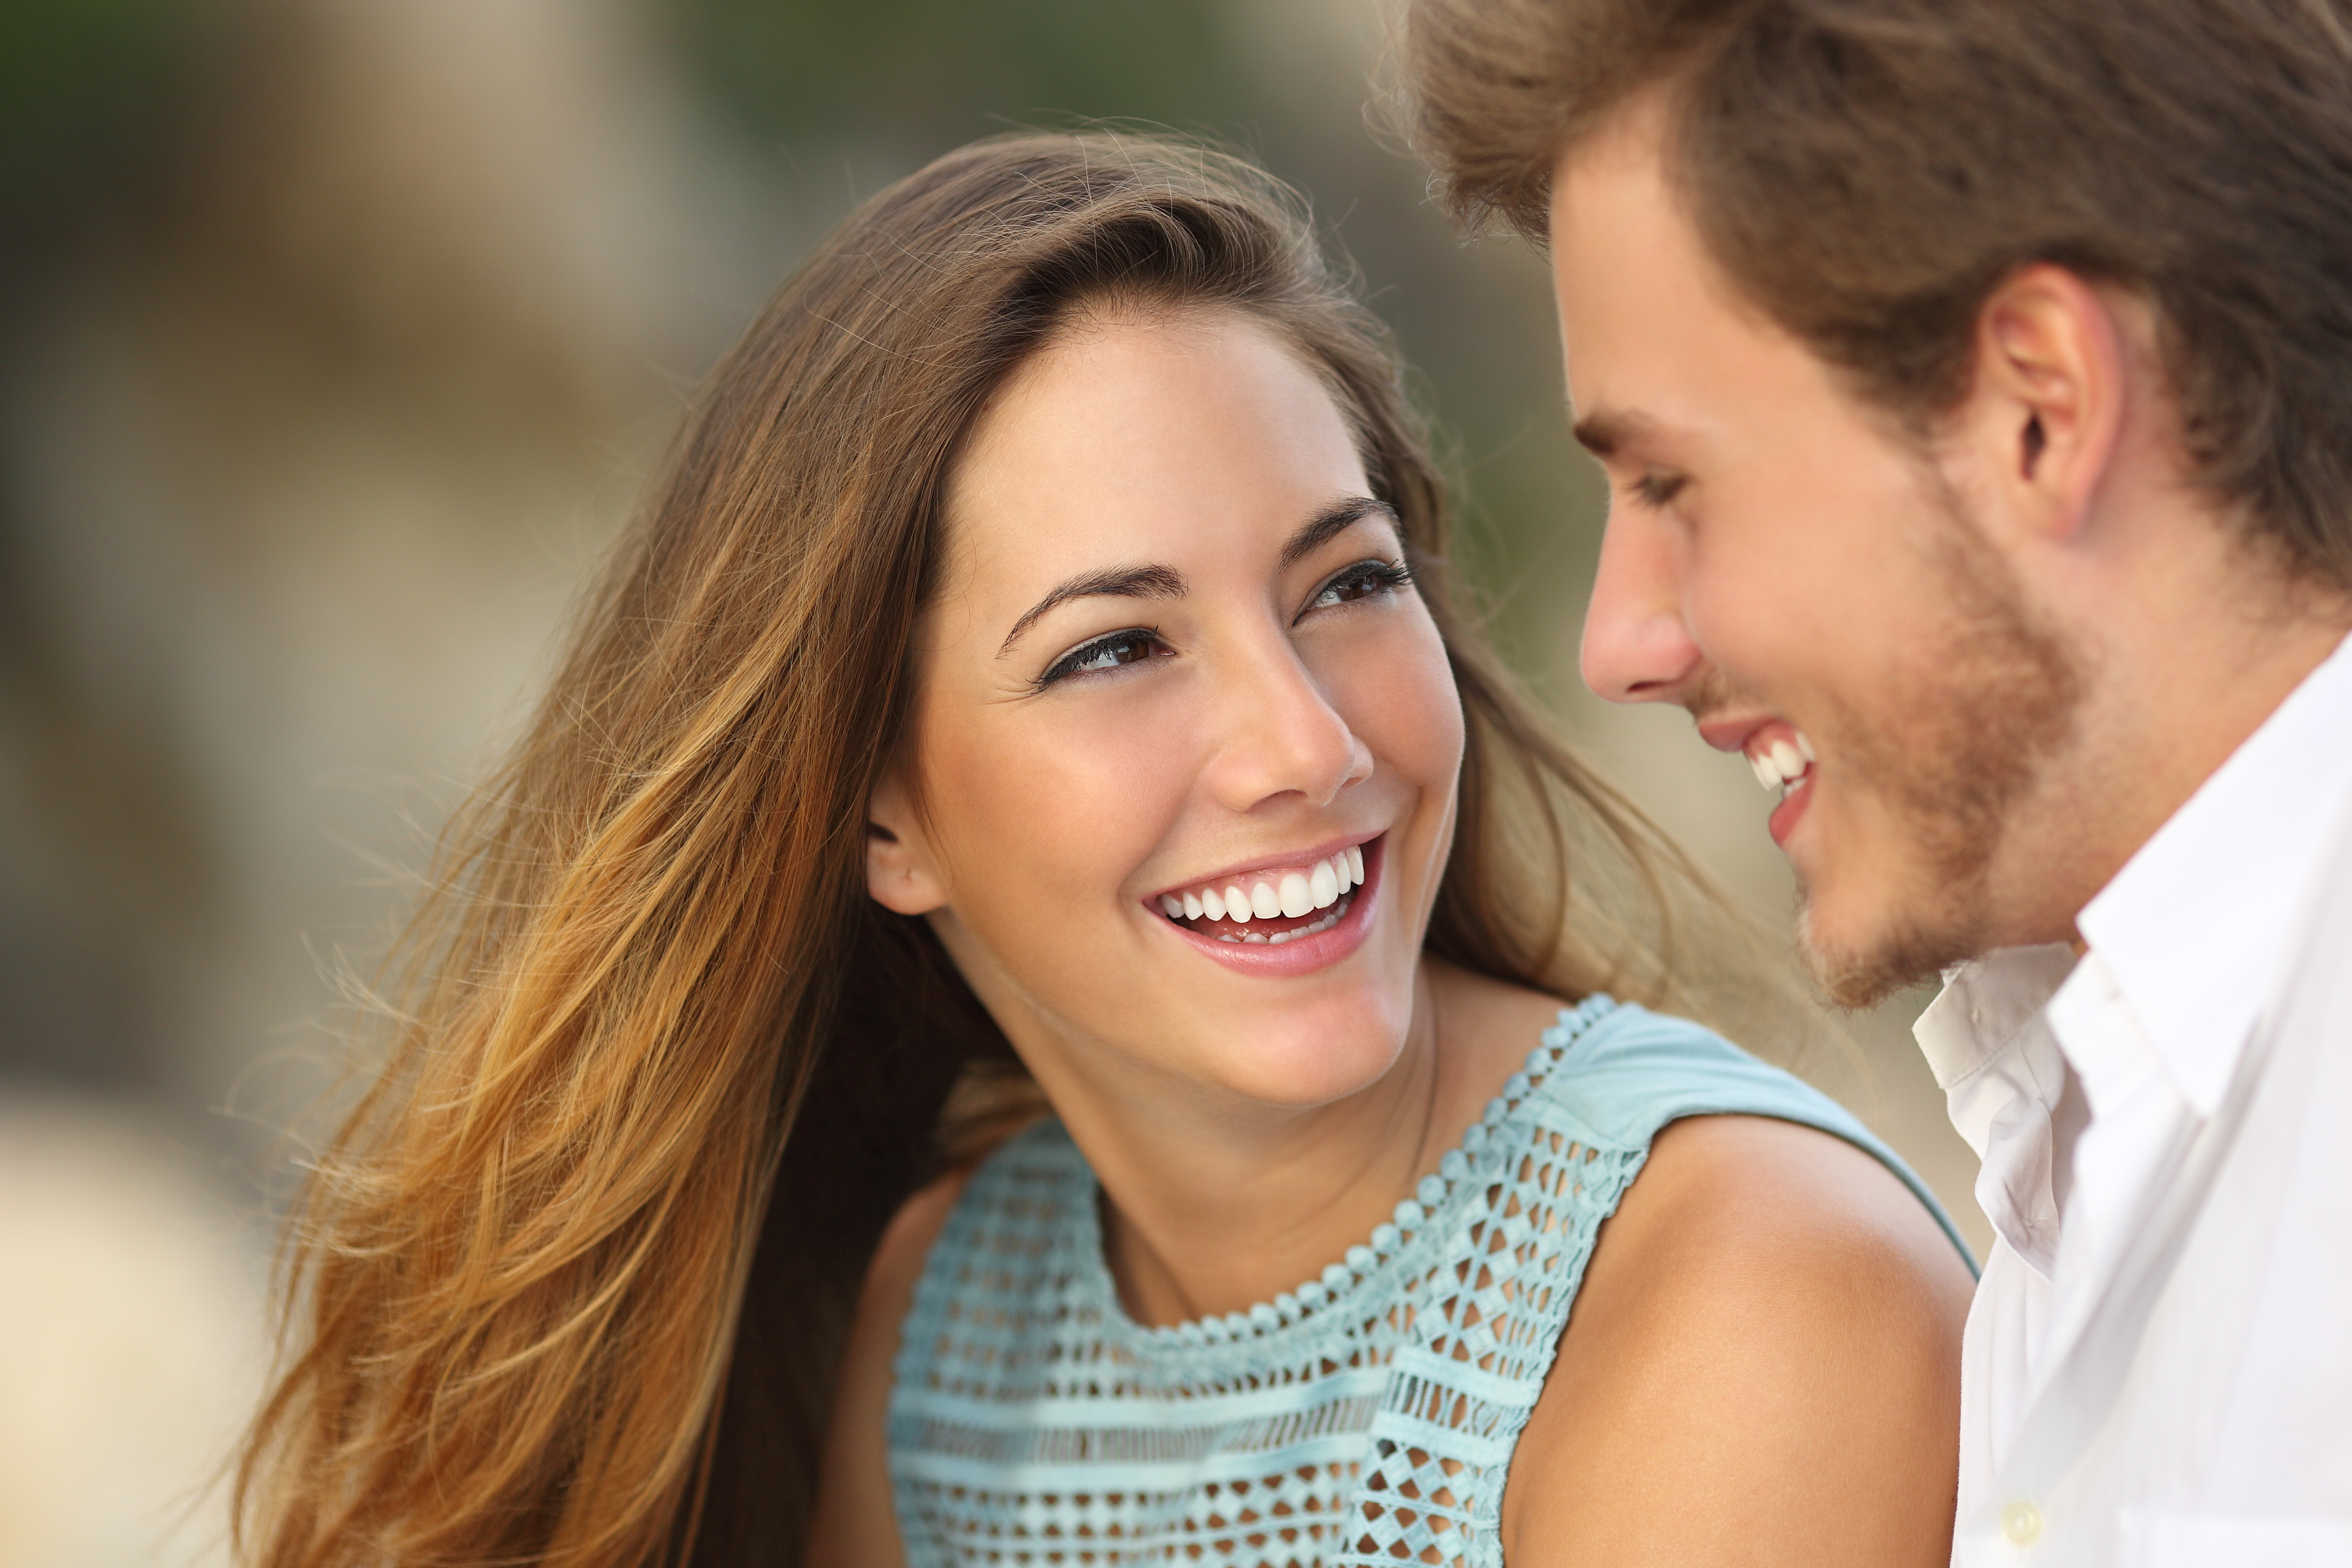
(1178,656)
(1289,915)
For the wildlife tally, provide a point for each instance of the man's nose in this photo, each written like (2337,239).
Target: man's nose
(1637,647)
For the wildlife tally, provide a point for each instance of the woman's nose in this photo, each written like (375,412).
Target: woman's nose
(1637,646)
(1283,736)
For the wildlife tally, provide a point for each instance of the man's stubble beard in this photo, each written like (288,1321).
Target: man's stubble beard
(1952,760)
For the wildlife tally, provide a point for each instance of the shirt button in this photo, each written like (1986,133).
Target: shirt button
(2022,1523)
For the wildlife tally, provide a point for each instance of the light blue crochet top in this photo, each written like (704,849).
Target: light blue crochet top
(1367,1417)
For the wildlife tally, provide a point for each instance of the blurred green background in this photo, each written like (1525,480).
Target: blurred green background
(336,336)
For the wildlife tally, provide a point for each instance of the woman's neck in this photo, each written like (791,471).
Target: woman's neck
(1211,1208)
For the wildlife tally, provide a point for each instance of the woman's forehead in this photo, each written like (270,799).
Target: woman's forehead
(1153,434)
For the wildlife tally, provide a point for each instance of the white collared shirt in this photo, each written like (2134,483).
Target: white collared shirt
(2157,1368)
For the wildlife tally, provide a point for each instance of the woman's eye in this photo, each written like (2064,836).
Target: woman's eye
(1362,580)
(1129,647)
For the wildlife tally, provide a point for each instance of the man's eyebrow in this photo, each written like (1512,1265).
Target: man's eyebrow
(1332,521)
(1122,582)
(1605,432)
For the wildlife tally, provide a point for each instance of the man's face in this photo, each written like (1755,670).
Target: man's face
(1806,581)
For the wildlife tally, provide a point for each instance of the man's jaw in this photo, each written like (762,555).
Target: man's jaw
(1859,968)
(1855,968)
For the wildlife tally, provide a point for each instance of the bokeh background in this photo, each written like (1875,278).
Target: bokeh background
(336,337)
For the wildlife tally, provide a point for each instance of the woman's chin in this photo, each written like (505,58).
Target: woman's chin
(1304,1063)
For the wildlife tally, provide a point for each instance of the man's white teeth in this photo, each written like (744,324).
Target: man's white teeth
(1782,763)
(1288,896)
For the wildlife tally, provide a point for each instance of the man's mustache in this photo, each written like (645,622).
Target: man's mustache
(1711,692)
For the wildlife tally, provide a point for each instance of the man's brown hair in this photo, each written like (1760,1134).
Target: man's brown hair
(1867,171)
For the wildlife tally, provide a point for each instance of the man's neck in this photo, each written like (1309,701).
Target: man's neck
(2187,652)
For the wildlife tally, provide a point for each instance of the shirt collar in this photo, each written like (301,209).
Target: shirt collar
(2197,924)
(2003,1077)
(1984,1006)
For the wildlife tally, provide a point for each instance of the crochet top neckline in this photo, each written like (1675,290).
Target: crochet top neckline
(1367,1262)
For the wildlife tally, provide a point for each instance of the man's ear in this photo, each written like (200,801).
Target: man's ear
(2047,409)
(900,874)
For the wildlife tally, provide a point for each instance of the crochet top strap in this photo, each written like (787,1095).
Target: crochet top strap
(1366,1416)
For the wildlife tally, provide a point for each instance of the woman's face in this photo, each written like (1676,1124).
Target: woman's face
(1176,667)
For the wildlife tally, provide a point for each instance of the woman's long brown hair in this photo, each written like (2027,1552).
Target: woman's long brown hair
(569,1285)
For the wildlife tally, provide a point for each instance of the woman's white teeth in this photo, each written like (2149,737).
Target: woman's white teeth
(1288,896)
(1277,938)
(1296,895)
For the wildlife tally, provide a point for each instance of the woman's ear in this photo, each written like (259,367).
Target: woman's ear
(900,874)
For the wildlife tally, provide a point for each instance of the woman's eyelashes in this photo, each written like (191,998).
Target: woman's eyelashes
(1109,652)
(1364,579)
(1135,645)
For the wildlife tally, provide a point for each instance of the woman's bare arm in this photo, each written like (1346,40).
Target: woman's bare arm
(857,1526)
(1762,1368)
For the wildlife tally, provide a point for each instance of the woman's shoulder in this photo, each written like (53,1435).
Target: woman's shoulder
(1762,1362)
(1620,1069)
(1626,1071)
(1036,1168)
(1731,1205)
(906,1245)
(856,1521)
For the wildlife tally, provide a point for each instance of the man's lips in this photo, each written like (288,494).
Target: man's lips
(1785,816)
(1780,755)
(1732,732)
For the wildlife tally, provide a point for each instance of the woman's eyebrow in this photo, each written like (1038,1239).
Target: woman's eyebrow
(1124,583)
(1333,520)
(1167,583)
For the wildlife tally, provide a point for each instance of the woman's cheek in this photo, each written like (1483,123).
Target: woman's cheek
(1078,797)
(1397,692)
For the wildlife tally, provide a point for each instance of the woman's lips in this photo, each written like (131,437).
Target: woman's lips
(1285,942)
(1271,903)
